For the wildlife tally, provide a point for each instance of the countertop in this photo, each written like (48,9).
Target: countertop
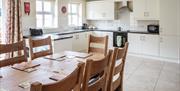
(68,34)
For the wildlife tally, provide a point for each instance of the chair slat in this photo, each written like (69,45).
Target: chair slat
(6,48)
(40,43)
(98,40)
(12,61)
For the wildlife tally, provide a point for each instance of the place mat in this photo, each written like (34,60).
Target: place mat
(25,65)
(2,89)
(77,54)
(30,70)
(54,56)
(25,84)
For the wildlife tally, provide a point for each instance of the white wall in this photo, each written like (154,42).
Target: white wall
(30,21)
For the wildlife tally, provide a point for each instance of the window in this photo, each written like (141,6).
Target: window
(46,15)
(75,14)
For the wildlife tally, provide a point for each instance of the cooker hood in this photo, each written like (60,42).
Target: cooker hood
(126,4)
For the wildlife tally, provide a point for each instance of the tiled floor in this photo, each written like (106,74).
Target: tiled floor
(151,75)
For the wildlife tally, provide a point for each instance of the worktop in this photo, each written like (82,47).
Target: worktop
(68,34)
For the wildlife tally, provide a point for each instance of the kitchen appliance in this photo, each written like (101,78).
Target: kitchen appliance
(153,28)
(119,39)
(36,32)
(85,26)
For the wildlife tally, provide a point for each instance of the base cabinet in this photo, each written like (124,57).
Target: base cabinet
(146,44)
(80,41)
(169,47)
(62,45)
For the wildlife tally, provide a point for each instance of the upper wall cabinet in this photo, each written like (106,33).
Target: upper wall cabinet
(100,10)
(146,9)
(169,17)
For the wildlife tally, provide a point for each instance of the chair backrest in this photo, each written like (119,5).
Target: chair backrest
(117,69)
(70,83)
(102,41)
(95,75)
(11,49)
(40,43)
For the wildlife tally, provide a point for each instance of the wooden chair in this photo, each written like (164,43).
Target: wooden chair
(39,43)
(70,83)
(98,40)
(12,48)
(96,74)
(116,72)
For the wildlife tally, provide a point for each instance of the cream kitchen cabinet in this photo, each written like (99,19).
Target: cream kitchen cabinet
(146,9)
(80,41)
(169,17)
(170,29)
(100,10)
(169,47)
(64,44)
(146,44)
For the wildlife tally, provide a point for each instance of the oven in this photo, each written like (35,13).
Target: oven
(119,39)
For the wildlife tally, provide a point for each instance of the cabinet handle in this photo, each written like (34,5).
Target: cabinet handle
(161,30)
(77,36)
(161,39)
(146,14)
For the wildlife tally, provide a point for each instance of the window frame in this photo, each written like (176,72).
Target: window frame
(78,14)
(43,13)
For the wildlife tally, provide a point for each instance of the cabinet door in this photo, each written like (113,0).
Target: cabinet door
(139,8)
(100,10)
(80,41)
(152,9)
(169,17)
(146,9)
(169,47)
(134,43)
(62,45)
(150,44)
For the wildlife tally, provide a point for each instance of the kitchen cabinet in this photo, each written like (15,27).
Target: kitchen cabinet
(146,44)
(169,47)
(100,10)
(80,41)
(146,9)
(169,28)
(169,17)
(63,44)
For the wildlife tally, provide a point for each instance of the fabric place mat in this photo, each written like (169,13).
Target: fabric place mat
(54,56)
(25,65)
(77,54)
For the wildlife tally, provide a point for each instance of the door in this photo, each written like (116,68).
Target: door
(150,44)
(169,47)
(62,45)
(169,17)
(135,43)
(139,8)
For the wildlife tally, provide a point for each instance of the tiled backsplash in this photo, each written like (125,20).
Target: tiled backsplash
(126,21)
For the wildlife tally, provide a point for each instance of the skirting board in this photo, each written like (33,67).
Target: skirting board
(156,58)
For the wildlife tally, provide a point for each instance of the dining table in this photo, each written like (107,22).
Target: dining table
(20,76)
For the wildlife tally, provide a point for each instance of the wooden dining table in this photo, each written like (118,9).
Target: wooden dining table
(12,79)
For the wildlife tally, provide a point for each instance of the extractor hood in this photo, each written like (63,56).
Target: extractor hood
(126,4)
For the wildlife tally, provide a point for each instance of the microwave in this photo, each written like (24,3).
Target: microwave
(153,28)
